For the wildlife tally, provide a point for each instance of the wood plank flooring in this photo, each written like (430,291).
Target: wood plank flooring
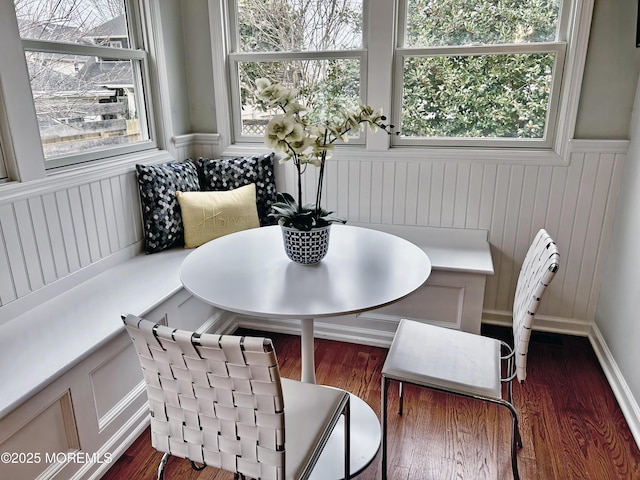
(571,424)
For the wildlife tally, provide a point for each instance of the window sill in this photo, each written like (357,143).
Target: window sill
(79,174)
(446,154)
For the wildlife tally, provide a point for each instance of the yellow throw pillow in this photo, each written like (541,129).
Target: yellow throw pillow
(209,215)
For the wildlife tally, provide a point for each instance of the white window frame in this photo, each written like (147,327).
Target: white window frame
(236,56)
(381,17)
(556,47)
(35,165)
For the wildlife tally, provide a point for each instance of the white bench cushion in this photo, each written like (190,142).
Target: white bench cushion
(48,340)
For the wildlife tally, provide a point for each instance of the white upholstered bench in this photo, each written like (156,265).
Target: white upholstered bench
(453,295)
(70,379)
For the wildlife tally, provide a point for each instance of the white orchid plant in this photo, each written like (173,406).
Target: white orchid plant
(291,132)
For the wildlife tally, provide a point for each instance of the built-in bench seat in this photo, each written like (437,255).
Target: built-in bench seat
(70,379)
(68,327)
(449,249)
(453,295)
(51,338)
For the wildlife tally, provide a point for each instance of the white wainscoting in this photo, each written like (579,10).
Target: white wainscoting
(574,202)
(512,199)
(48,234)
(52,232)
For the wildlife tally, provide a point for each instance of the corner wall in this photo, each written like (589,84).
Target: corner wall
(617,319)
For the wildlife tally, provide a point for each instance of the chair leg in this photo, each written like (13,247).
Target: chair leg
(347,440)
(383,403)
(516,442)
(163,463)
(518,437)
(515,426)
(400,398)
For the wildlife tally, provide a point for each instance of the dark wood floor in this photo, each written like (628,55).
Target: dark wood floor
(571,425)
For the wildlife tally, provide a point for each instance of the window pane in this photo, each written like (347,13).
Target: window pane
(489,96)
(97,22)
(464,22)
(299,25)
(326,85)
(83,103)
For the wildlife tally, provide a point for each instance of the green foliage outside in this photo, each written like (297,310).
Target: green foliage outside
(477,96)
(463,22)
(480,96)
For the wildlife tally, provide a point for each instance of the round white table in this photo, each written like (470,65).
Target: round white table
(249,273)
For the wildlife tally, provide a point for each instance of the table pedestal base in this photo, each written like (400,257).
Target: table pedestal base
(365,442)
(307,353)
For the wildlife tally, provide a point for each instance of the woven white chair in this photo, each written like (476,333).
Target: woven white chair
(472,365)
(218,400)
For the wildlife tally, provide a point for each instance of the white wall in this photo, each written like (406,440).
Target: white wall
(617,315)
(199,66)
(575,202)
(611,70)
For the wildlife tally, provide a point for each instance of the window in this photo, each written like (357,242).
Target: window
(87,78)
(477,71)
(313,45)
(454,73)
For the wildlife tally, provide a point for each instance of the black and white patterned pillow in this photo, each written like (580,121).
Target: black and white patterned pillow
(160,209)
(231,173)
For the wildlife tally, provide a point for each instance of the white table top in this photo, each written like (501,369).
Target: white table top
(249,273)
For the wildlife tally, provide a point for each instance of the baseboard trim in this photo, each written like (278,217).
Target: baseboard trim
(117,444)
(221,323)
(325,330)
(381,335)
(543,323)
(628,404)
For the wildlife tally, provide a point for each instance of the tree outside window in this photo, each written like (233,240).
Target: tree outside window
(475,71)
(312,45)
(478,69)
(85,77)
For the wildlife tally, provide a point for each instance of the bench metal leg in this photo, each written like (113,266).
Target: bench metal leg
(347,440)
(385,391)
(163,463)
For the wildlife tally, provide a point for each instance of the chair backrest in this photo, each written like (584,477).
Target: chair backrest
(214,399)
(538,269)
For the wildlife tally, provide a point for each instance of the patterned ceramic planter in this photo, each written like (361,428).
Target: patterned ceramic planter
(306,247)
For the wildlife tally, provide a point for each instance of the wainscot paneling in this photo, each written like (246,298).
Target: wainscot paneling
(49,234)
(573,201)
